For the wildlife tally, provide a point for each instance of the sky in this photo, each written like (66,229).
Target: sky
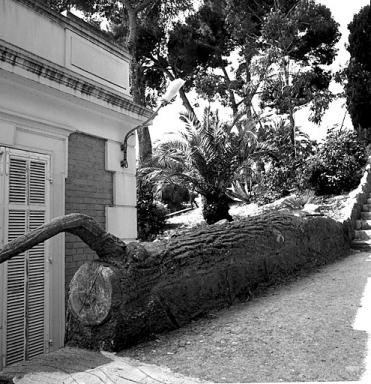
(343,12)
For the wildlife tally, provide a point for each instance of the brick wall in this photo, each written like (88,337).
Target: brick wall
(89,189)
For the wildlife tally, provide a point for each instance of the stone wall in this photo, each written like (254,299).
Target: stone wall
(89,189)
(357,197)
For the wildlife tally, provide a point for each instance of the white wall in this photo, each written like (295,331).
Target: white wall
(38,113)
(60,41)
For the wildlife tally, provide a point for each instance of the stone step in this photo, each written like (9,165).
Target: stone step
(366,207)
(363,224)
(368,201)
(361,244)
(366,215)
(362,234)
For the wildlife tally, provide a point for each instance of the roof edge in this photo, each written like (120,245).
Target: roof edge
(79,26)
(17,57)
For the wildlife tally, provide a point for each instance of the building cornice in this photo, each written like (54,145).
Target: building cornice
(17,57)
(80,27)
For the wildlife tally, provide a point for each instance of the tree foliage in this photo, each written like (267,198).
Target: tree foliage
(358,73)
(280,51)
(207,157)
(150,214)
(283,174)
(300,43)
(201,48)
(337,166)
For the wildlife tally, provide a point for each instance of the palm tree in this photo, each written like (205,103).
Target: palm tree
(206,157)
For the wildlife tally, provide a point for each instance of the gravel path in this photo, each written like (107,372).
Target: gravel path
(299,331)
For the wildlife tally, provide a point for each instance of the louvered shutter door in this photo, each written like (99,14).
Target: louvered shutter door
(37,182)
(36,263)
(26,298)
(16,298)
(16,267)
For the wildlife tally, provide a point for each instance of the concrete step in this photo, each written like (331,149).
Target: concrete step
(363,224)
(361,244)
(366,215)
(362,234)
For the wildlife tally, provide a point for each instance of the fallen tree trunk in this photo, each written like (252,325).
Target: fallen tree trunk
(115,304)
(136,290)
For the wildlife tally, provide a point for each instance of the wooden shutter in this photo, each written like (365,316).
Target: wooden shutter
(15,292)
(26,275)
(36,292)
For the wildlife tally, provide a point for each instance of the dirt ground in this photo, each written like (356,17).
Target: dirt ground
(297,331)
(330,206)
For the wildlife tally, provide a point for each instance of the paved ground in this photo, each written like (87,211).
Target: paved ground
(76,366)
(302,331)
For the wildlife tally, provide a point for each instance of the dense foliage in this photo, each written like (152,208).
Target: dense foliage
(207,157)
(358,87)
(280,52)
(283,173)
(298,45)
(338,165)
(150,214)
(298,37)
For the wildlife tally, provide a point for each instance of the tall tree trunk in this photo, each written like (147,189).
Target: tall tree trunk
(286,71)
(137,85)
(249,53)
(231,91)
(216,208)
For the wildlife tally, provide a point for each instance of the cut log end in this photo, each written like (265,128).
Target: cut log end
(92,292)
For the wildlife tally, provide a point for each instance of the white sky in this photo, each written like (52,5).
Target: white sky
(343,12)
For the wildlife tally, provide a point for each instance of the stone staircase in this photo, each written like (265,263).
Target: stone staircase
(362,238)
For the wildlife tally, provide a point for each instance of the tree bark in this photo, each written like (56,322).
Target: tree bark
(137,86)
(136,290)
(113,305)
(85,227)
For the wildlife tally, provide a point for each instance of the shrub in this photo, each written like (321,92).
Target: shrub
(285,172)
(337,167)
(205,157)
(151,215)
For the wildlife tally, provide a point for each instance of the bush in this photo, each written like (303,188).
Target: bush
(151,215)
(338,165)
(285,172)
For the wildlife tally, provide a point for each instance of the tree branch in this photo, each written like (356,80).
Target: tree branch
(140,7)
(83,226)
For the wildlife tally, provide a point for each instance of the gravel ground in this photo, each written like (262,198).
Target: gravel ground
(298,331)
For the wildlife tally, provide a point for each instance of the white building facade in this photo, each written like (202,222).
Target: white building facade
(64,110)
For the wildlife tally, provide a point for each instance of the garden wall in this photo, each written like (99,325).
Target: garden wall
(357,198)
